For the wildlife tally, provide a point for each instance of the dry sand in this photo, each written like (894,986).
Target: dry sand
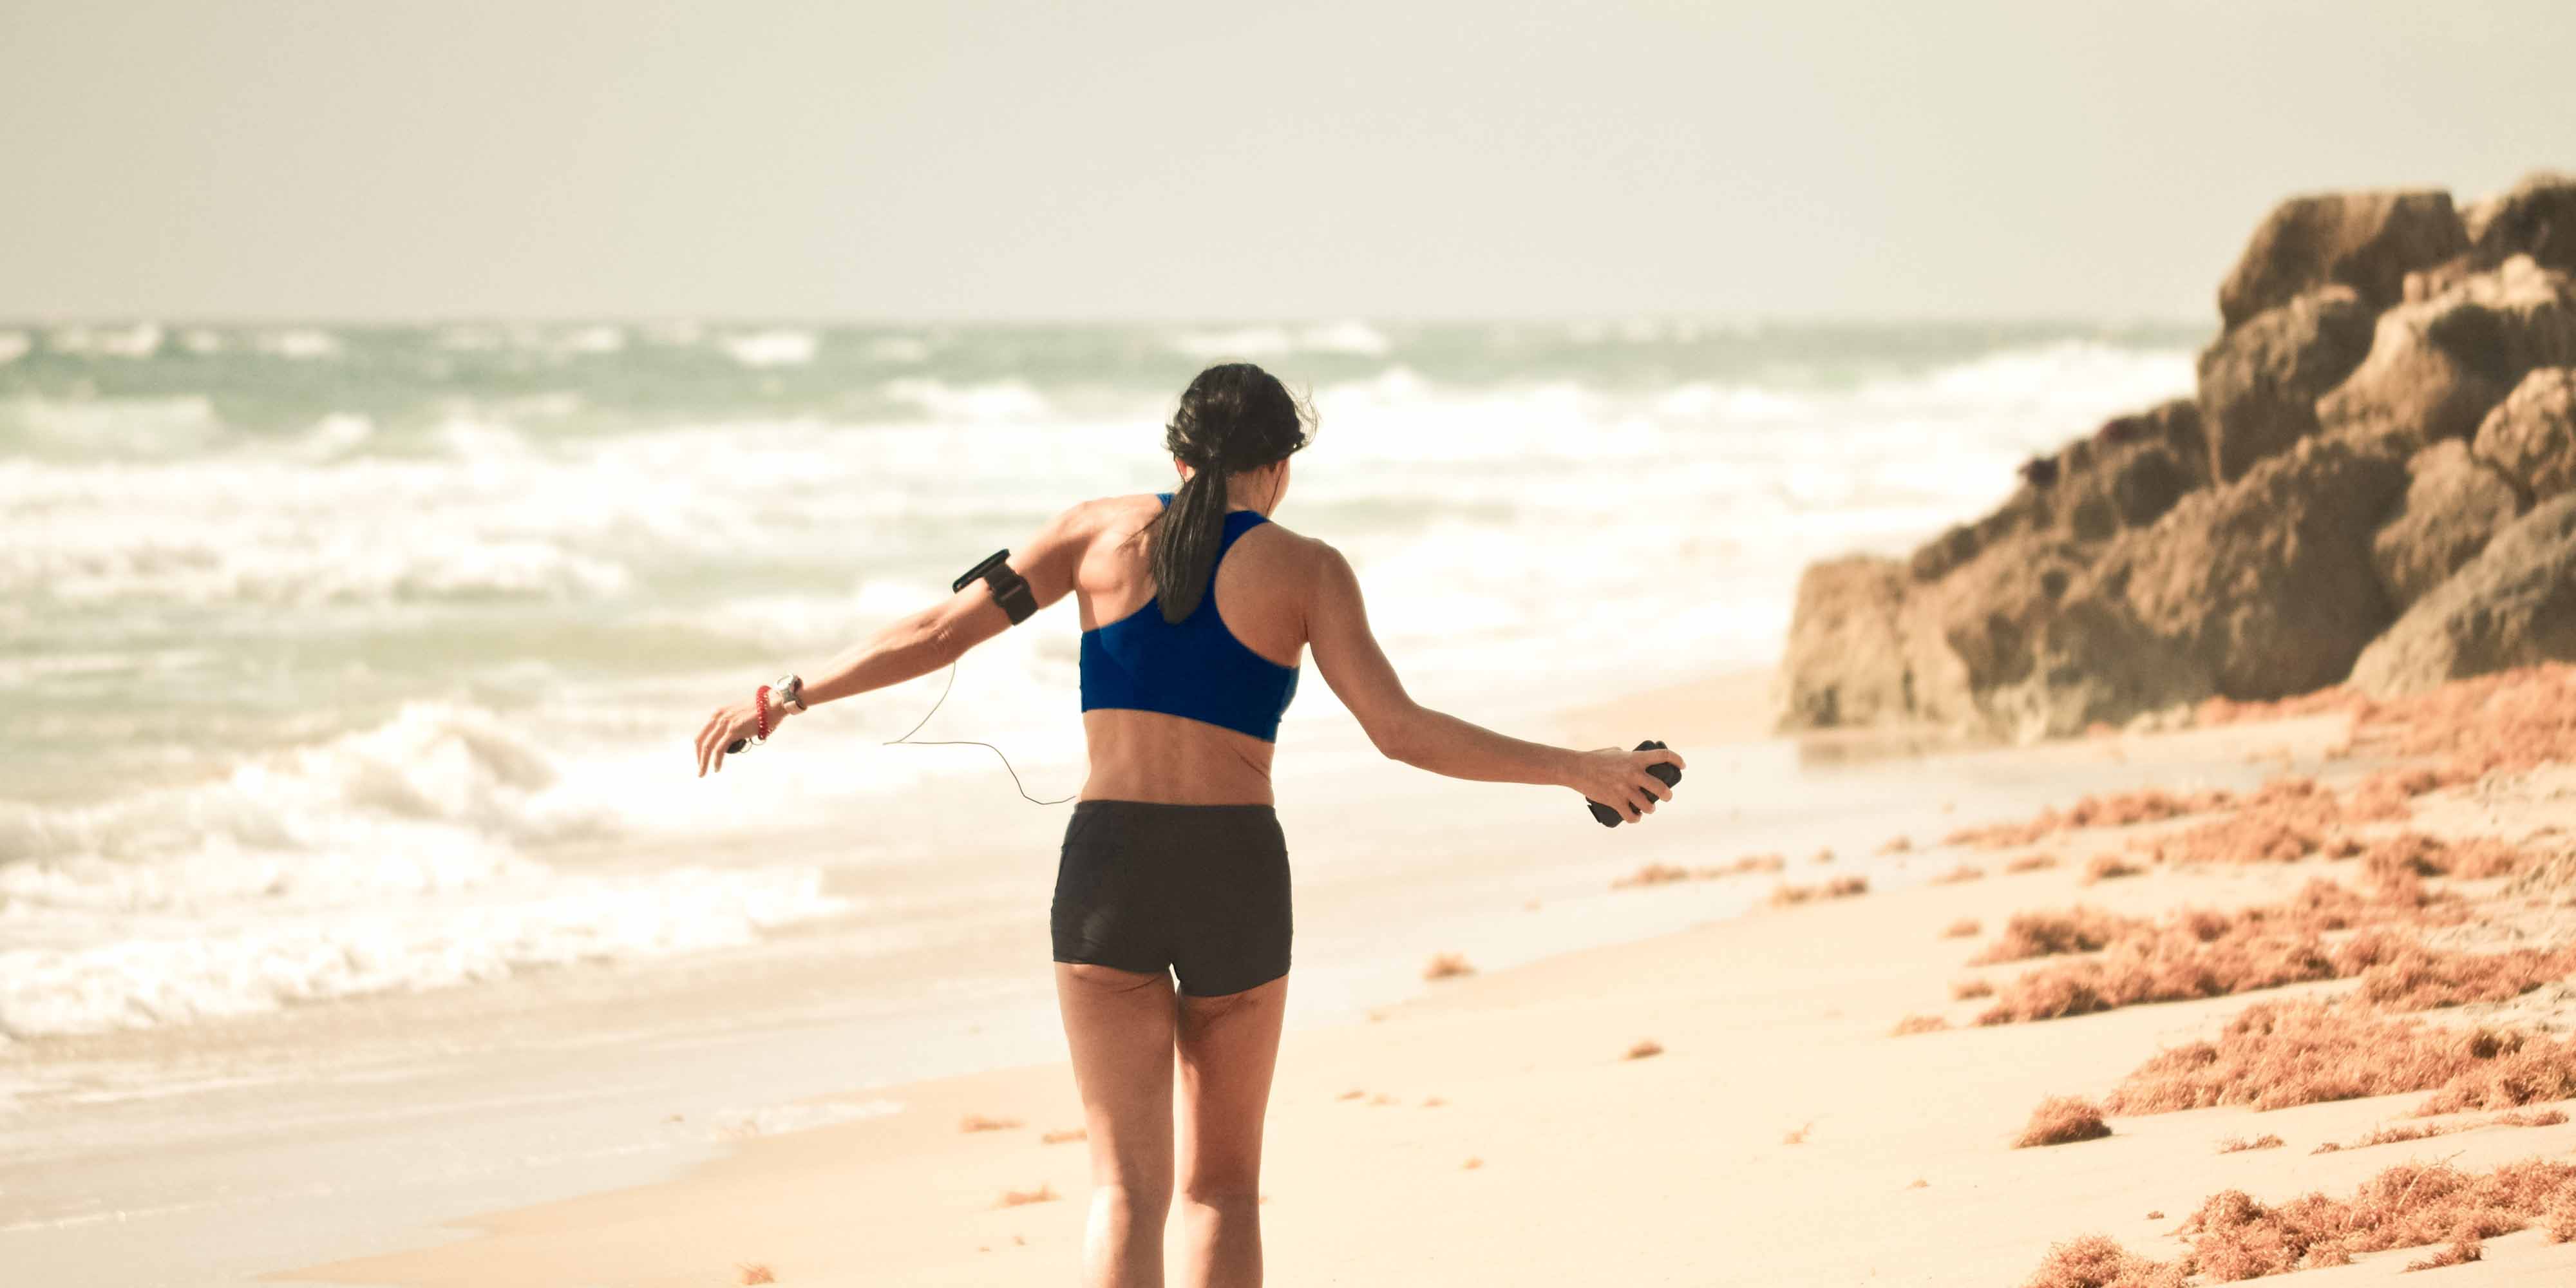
(1781,1135)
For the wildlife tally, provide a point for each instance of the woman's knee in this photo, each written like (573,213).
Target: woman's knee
(1223,1198)
(1142,1201)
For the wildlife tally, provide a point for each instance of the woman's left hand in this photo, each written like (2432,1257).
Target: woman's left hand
(739,720)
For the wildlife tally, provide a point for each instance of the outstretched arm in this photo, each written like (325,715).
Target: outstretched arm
(924,641)
(940,634)
(1347,652)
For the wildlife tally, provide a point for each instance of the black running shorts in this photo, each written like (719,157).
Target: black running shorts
(1201,889)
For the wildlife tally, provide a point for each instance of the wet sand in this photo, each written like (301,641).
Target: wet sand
(1502,1132)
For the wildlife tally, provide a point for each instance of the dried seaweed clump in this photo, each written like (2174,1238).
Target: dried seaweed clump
(1447,966)
(2510,721)
(2119,809)
(1963,872)
(2030,863)
(2410,977)
(1920,1024)
(2276,1054)
(2410,1205)
(2063,1120)
(2517,1069)
(1963,928)
(2416,854)
(2098,1261)
(2080,929)
(1044,1193)
(2401,1134)
(2171,965)
(2108,867)
(2200,953)
(1838,888)
(2240,1144)
(1651,874)
(2226,711)
(2283,822)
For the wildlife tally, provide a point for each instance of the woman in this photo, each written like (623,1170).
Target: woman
(1195,610)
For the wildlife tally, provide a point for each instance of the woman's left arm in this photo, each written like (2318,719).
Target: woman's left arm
(924,641)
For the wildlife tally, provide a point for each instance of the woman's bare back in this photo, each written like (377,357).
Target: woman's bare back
(1262,594)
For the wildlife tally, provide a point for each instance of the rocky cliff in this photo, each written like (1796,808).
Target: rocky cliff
(2374,482)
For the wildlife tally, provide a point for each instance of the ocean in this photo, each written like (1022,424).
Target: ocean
(324,649)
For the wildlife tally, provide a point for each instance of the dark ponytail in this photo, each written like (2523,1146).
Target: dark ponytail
(1234,417)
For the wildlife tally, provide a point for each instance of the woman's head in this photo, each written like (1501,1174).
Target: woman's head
(1234,420)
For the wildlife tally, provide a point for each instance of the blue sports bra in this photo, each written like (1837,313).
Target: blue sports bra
(1195,667)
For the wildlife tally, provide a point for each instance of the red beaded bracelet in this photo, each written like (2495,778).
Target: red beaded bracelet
(760,712)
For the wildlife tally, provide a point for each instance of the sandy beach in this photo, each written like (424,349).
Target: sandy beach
(1502,1127)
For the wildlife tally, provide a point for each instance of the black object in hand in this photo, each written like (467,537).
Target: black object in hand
(1670,774)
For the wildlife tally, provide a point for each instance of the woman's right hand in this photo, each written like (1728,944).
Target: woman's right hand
(1617,777)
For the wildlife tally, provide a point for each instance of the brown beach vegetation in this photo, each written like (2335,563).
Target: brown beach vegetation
(2275,1055)
(2106,867)
(2118,809)
(2199,953)
(2098,1261)
(2417,854)
(2063,1120)
(2399,1135)
(2080,929)
(2240,1144)
(2284,821)
(2410,1205)
(1783,896)
(1651,874)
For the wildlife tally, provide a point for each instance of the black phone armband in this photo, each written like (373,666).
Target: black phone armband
(1010,589)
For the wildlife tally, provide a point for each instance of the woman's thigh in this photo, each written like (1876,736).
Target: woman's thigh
(1229,1047)
(1119,1025)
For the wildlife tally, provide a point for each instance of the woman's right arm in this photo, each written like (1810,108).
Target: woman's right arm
(1347,652)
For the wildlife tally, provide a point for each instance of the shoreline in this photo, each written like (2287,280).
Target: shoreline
(254,1098)
(1560,1120)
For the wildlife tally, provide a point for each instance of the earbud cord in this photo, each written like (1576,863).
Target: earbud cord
(906,740)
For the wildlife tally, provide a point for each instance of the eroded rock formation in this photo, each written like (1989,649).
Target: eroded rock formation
(2376,480)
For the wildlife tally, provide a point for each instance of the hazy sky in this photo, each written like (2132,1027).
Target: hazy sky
(928,159)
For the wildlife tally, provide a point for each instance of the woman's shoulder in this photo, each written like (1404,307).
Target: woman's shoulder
(1127,514)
